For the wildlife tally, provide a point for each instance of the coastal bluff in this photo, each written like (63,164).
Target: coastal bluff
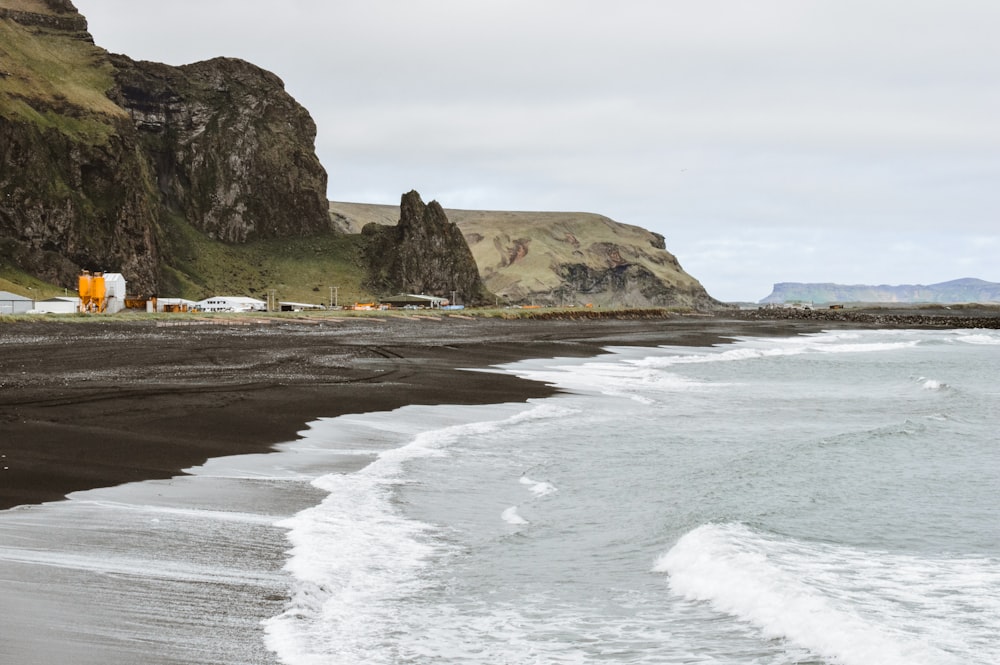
(557,258)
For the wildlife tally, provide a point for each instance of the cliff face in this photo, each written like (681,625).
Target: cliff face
(232,151)
(553,258)
(99,155)
(423,253)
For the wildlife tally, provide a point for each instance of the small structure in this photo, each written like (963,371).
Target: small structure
(231,304)
(60,305)
(11,303)
(285,306)
(171,305)
(413,300)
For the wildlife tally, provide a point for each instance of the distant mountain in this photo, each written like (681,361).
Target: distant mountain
(966,290)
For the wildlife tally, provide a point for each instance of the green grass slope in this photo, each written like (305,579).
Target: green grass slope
(301,269)
(53,81)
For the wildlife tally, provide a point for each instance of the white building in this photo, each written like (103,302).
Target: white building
(11,303)
(114,292)
(413,300)
(60,305)
(231,304)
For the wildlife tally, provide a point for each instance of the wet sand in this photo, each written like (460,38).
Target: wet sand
(100,403)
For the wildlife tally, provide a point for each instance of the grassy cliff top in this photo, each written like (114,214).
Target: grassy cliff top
(54,79)
(32,6)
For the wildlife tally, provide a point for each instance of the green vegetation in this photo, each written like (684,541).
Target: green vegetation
(301,269)
(56,83)
(17,281)
(33,6)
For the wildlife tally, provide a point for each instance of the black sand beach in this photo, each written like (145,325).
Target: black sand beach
(100,403)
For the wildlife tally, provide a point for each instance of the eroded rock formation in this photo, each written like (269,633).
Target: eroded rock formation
(424,253)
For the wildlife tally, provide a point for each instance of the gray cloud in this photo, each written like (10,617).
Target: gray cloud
(775,140)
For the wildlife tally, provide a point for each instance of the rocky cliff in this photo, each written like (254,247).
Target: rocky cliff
(424,253)
(550,258)
(966,290)
(101,156)
(232,151)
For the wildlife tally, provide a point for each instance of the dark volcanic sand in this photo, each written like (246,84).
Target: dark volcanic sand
(93,404)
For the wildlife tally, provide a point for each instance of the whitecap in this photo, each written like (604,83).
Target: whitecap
(847,605)
(538,488)
(979,338)
(512,517)
(931,384)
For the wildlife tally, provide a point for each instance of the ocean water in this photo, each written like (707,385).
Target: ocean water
(823,499)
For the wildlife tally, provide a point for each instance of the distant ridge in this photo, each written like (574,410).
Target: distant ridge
(967,290)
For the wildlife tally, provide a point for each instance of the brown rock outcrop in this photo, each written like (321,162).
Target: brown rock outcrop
(424,253)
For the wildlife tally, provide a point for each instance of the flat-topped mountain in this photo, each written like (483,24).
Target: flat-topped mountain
(967,290)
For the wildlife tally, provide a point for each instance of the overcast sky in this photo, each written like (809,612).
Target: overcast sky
(850,141)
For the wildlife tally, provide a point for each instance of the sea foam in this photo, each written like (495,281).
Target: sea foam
(355,556)
(512,517)
(847,605)
(979,338)
(538,488)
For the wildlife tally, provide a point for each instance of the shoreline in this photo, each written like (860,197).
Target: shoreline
(100,403)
